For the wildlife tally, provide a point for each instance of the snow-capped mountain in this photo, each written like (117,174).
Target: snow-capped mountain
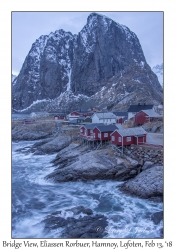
(158,70)
(13,77)
(103,65)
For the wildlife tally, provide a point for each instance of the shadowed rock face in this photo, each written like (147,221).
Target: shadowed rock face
(103,53)
(147,184)
(80,223)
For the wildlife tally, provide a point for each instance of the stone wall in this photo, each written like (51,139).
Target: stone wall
(145,154)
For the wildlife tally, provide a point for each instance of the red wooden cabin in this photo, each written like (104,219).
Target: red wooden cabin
(103,133)
(125,137)
(29,121)
(81,113)
(120,120)
(87,130)
(145,116)
(59,117)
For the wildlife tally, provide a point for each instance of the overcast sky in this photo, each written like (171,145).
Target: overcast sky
(28,26)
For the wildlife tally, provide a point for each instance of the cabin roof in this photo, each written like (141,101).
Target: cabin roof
(121,113)
(139,107)
(60,114)
(107,128)
(108,115)
(131,131)
(93,125)
(83,112)
(151,113)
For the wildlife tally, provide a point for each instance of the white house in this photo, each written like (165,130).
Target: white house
(106,118)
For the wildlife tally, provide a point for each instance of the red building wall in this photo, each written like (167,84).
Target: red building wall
(140,118)
(103,138)
(75,113)
(82,129)
(125,142)
(106,138)
(141,139)
(120,120)
(58,117)
(96,131)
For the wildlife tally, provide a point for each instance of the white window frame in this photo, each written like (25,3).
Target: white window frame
(105,134)
(113,138)
(128,139)
(119,139)
(99,135)
(81,130)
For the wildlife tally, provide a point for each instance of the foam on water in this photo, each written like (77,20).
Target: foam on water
(34,198)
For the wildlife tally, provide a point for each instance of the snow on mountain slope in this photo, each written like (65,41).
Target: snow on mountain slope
(158,70)
(103,65)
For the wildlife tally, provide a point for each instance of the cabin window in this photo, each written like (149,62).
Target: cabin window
(113,138)
(105,134)
(128,139)
(119,139)
(81,130)
(99,135)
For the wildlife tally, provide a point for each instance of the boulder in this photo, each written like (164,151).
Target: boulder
(157,217)
(147,164)
(77,222)
(147,184)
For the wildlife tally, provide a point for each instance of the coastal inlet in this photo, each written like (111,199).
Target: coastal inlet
(42,208)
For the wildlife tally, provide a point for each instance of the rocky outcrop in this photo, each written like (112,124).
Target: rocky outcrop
(77,222)
(52,146)
(147,184)
(157,217)
(104,64)
(37,130)
(76,163)
(154,127)
(145,155)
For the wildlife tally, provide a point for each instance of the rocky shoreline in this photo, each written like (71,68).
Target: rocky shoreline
(140,168)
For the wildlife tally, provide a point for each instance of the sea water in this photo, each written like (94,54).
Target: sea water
(34,198)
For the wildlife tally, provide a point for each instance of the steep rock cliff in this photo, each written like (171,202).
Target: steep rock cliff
(103,65)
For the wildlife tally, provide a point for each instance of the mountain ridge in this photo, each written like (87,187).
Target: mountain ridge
(103,63)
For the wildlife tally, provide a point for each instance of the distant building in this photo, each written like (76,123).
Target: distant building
(87,129)
(80,120)
(29,121)
(134,109)
(106,118)
(122,116)
(145,116)
(76,114)
(60,116)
